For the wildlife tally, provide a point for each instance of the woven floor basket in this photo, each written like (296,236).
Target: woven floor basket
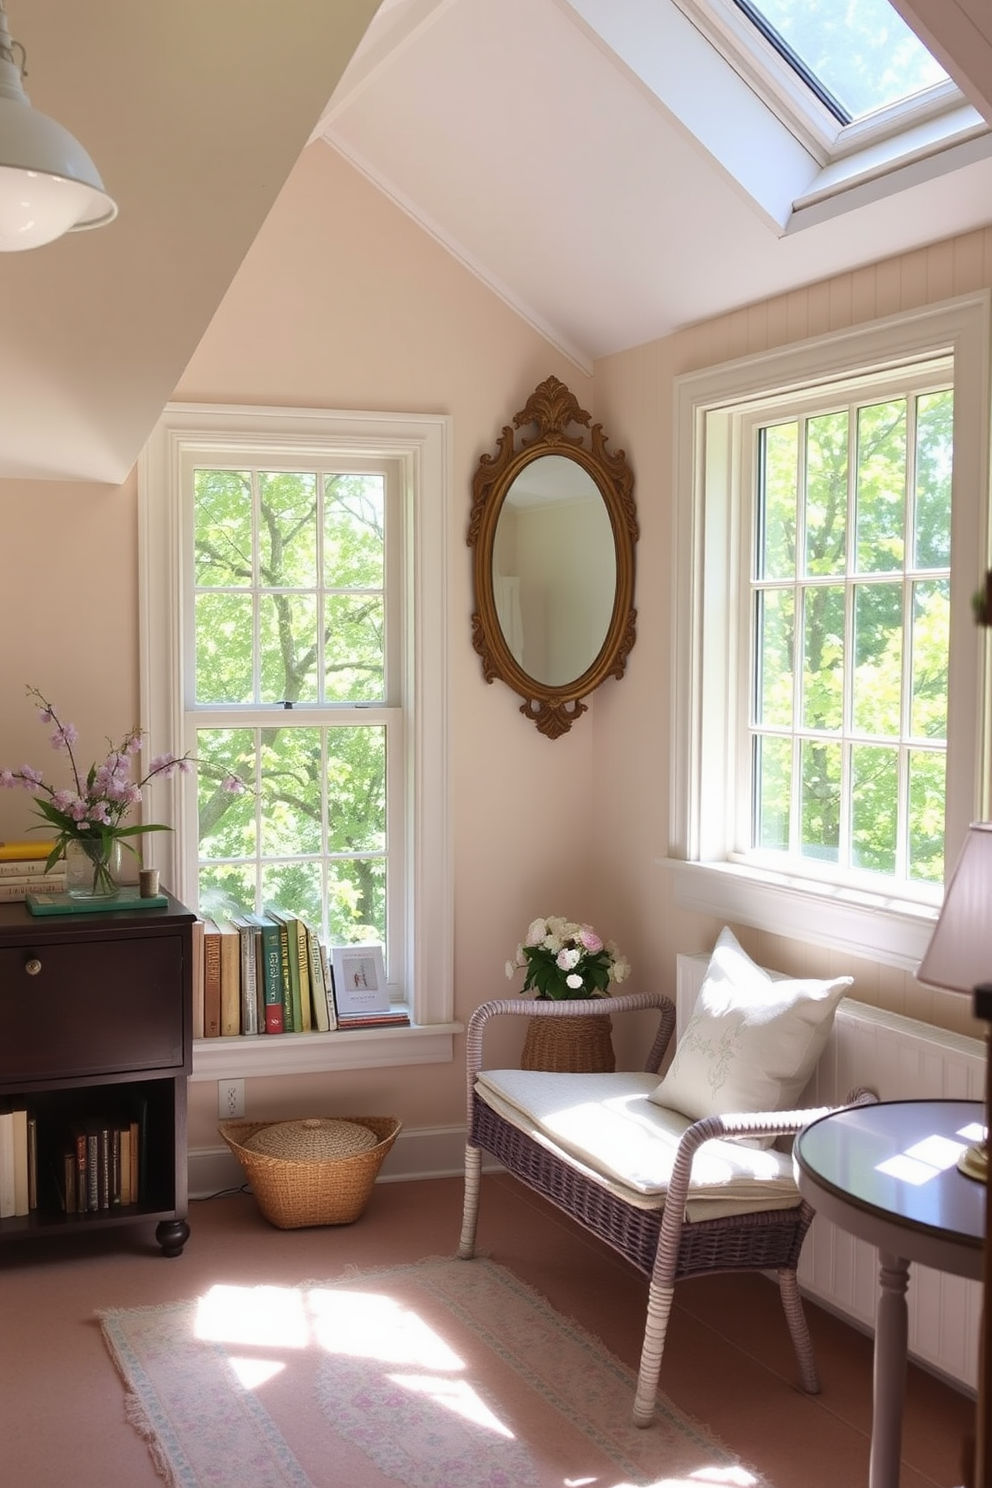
(582,1045)
(311,1170)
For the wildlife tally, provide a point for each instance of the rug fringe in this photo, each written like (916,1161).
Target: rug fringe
(136,1416)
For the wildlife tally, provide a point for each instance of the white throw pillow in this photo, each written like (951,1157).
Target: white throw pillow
(752,1041)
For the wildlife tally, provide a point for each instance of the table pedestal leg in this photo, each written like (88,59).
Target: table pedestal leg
(890,1371)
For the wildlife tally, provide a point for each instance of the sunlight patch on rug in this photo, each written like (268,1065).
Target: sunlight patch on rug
(441,1374)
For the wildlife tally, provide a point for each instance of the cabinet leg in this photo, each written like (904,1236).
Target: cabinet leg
(172,1235)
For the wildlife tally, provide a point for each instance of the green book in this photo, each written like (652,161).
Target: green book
(125,899)
(289,964)
(274,1017)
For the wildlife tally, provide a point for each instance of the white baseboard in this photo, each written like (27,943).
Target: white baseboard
(427,1152)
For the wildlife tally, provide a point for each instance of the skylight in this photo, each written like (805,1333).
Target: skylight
(857,56)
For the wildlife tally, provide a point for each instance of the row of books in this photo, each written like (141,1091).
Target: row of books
(271,974)
(96,1162)
(18,1160)
(22,870)
(100,1164)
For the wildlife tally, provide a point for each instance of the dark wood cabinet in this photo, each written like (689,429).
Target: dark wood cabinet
(96,1021)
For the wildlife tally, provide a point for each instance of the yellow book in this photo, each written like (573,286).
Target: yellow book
(230,978)
(38,847)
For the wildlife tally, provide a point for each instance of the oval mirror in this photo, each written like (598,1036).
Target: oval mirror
(553,526)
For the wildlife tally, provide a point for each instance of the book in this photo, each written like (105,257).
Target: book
(32,1161)
(77,1136)
(24,868)
(127,898)
(65,1177)
(256,922)
(6,1161)
(134,1148)
(375,1020)
(303,969)
(20,1117)
(113,1138)
(124,1161)
(87,1135)
(35,847)
(318,997)
(230,978)
(247,976)
(290,1023)
(359,980)
(272,974)
(197,933)
(399,1020)
(292,952)
(328,975)
(211,980)
(13,889)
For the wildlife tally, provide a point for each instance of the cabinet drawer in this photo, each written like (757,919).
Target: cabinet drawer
(91,1007)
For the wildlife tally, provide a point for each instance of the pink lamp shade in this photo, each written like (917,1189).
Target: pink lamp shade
(959,955)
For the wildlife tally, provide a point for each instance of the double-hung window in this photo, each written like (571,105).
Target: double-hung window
(849,529)
(829,694)
(293,636)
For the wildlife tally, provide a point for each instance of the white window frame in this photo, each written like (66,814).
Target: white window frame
(712,70)
(420,446)
(710,607)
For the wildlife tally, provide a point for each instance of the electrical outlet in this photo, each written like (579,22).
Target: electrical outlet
(231,1099)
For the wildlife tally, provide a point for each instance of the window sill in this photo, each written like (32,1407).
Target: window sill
(875,927)
(315,1053)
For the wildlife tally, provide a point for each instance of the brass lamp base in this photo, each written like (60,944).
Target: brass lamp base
(974,1163)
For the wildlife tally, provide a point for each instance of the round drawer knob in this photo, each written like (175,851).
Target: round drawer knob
(32,967)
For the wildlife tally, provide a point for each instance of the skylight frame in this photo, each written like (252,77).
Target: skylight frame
(800,110)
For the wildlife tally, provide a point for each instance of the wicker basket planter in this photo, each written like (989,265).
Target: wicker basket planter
(582,1045)
(311,1170)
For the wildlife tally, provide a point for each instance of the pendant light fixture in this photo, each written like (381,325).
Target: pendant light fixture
(48,183)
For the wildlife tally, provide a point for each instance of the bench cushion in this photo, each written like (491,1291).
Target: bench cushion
(608,1125)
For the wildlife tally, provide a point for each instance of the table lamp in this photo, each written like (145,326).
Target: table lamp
(959,957)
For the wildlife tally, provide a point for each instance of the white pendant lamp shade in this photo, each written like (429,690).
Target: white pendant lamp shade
(48,183)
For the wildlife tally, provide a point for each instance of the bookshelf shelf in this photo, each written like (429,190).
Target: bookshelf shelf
(97,1019)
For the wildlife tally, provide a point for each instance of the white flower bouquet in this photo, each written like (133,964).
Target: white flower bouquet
(566,960)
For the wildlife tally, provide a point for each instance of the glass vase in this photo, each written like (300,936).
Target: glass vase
(92,867)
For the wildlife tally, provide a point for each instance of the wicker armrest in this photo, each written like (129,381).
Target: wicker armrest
(581,1007)
(744,1124)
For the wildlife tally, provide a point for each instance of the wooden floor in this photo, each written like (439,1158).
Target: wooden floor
(728,1361)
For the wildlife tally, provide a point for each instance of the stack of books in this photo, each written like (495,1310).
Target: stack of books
(22,870)
(360,990)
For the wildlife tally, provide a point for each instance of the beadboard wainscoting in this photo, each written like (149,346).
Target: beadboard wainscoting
(898,1058)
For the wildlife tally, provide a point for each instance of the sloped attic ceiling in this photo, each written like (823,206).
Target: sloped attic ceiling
(602,168)
(525,135)
(194,112)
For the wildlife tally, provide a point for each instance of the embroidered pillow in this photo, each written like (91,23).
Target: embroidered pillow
(752,1041)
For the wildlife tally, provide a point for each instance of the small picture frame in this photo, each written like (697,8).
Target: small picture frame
(359,979)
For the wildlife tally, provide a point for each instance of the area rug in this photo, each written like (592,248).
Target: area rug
(441,1374)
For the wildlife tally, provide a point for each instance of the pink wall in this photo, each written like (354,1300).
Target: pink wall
(68,610)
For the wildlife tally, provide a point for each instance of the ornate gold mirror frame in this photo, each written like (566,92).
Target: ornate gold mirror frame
(552,493)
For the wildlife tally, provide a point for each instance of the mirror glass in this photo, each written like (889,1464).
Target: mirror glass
(554,570)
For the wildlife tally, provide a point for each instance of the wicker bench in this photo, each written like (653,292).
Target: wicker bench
(658,1238)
